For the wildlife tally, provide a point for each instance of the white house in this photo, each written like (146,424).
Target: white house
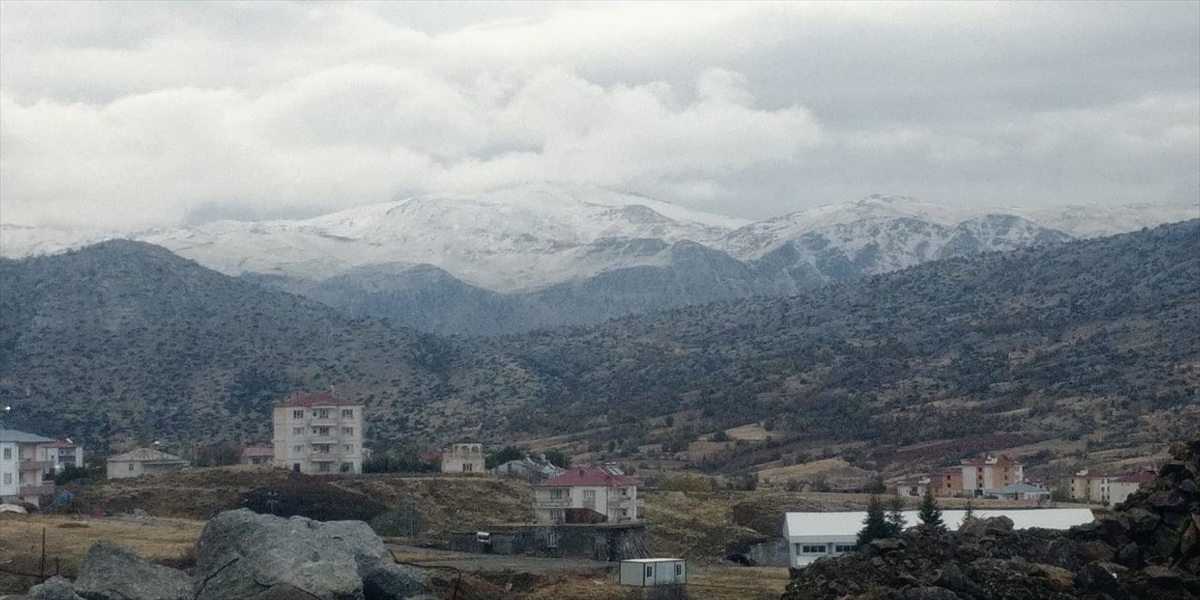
(813,535)
(606,491)
(143,461)
(22,467)
(463,458)
(651,572)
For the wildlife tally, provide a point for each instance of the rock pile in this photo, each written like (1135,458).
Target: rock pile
(242,555)
(1149,547)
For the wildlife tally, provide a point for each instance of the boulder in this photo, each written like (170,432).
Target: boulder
(110,572)
(242,554)
(55,588)
(929,593)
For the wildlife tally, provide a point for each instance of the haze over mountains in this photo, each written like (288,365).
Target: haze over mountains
(544,254)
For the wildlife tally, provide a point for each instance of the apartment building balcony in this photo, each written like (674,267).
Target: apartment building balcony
(36,490)
(326,422)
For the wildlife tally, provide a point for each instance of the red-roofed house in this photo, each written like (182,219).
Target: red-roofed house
(61,453)
(605,491)
(318,434)
(1119,488)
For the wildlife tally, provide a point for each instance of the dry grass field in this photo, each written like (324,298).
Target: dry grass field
(166,541)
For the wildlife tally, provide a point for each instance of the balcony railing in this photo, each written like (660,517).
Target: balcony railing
(552,503)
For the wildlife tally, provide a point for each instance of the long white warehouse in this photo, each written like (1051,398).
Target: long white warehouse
(812,535)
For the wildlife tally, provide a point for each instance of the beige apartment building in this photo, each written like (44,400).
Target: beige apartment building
(318,434)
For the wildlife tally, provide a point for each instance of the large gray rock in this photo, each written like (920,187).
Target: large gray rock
(241,554)
(110,572)
(55,588)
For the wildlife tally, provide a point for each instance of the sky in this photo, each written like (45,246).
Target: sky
(136,115)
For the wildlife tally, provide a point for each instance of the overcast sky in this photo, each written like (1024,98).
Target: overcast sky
(140,115)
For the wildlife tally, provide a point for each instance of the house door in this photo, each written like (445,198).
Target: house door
(296,467)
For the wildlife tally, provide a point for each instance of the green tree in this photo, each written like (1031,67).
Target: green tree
(895,517)
(875,526)
(502,456)
(558,458)
(930,513)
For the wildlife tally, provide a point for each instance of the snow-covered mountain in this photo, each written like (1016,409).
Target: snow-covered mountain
(543,253)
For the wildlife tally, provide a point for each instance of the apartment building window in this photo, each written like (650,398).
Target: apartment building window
(322,467)
(297,449)
(321,448)
(8,479)
(297,414)
(297,431)
(321,414)
(321,431)
(347,431)
(348,447)
(347,413)
(130,467)
(347,467)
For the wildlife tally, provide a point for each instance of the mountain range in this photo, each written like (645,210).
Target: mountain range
(542,254)
(1087,340)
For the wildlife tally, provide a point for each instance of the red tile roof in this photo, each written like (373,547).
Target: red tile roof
(591,476)
(311,400)
(1141,477)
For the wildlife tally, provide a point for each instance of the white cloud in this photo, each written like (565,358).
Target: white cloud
(146,114)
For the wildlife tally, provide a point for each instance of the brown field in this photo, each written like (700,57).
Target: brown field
(167,541)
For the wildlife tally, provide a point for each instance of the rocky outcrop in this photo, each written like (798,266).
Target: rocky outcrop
(110,572)
(247,556)
(242,554)
(1149,547)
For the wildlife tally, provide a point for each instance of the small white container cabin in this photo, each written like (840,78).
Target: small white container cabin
(649,572)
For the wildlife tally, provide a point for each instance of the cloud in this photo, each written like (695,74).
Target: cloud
(130,115)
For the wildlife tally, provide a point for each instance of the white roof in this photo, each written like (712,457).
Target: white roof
(838,524)
(651,560)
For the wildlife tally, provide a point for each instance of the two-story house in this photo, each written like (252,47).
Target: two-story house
(60,453)
(575,495)
(22,467)
(463,458)
(318,434)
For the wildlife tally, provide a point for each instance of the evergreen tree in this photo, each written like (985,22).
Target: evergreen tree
(970,514)
(895,516)
(875,526)
(930,513)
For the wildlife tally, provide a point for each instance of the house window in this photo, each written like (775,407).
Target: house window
(348,447)
(347,413)
(323,467)
(297,414)
(807,549)
(589,494)
(130,466)
(8,454)
(8,479)
(347,431)
(678,570)
(649,570)
(559,494)
(468,467)
(841,548)
(321,414)
(624,492)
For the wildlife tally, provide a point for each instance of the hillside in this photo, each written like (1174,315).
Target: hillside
(125,342)
(1093,341)
(1068,354)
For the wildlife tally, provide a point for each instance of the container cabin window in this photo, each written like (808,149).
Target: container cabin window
(649,570)
(678,570)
